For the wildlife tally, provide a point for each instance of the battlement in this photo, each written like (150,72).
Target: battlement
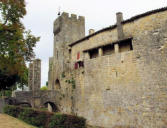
(70,24)
(67,18)
(72,16)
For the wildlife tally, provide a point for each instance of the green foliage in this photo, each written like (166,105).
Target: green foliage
(72,82)
(47,83)
(33,117)
(16,44)
(45,119)
(66,121)
(44,88)
(7,93)
(63,75)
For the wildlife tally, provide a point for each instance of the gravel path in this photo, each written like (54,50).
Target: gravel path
(10,122)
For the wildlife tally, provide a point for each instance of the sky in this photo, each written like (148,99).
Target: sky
(98,14)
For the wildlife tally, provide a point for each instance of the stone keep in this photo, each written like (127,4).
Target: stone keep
(66,30)
(34,75)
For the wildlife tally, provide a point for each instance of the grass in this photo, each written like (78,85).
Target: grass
(7,121)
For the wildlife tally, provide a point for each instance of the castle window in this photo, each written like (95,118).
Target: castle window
(78,64)
(93,53)
(81,64)
(70,54)
(108,49)
(57,84)
(125,45)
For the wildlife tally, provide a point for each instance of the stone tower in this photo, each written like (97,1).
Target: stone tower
(67,29)
(34,75)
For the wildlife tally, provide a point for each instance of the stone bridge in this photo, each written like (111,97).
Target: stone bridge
(39,99)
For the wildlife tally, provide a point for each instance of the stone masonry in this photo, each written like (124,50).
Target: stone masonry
(115,77)
(34,75)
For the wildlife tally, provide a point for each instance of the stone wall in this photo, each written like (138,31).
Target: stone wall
(125,89)
(128,88)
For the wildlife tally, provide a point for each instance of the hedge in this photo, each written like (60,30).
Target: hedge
(43,119)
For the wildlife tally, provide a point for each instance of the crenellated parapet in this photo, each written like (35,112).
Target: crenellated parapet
(67,18)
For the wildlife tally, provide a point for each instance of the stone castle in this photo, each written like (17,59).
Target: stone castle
(115,77)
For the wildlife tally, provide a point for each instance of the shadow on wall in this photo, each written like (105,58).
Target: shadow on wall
(52,105)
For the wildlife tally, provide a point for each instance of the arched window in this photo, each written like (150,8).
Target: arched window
(57,84)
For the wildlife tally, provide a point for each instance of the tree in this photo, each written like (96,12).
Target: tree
(44,88)
(16,44)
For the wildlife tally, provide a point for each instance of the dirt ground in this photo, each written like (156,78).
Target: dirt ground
(10,122)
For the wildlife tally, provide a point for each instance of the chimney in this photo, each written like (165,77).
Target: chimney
(119,16)
(91,31)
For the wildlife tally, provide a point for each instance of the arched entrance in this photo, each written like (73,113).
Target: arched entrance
(51,107)
(57,84)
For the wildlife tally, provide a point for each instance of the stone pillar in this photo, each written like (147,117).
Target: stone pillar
(37,74)
(30,76)
(116,47)
(34,75)
(119,25)
(100,51)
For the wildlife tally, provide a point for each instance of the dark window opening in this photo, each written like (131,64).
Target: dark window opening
(81,64)
(108,49)
(125,45)
(78,64)
(93,53)
(70,54)
(57,84)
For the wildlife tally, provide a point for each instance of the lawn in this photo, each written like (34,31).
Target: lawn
(10,122)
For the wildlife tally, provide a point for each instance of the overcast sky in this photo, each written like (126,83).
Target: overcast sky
(98,14)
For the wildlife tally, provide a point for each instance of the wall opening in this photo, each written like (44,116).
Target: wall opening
(51,107)
(125,45)
(25,104)
(93,53)
(108,49)
(57,84)
(69,54)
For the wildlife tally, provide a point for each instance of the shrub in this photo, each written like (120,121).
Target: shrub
(44,88)
(43,119)
(66,121)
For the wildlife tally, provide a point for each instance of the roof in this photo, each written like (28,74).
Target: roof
(123,22)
